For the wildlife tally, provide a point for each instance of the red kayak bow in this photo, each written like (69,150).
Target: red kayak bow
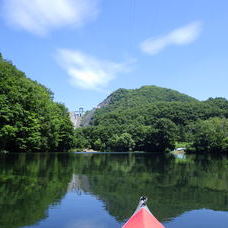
(142,218)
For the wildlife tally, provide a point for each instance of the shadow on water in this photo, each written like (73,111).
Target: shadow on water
(31,184)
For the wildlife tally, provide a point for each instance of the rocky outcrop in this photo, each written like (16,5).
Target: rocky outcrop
(87,118)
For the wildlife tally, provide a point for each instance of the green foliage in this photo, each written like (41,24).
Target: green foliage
(210,135)
(124,142)
(165,134)
(159,137)
(144,95)
(182,145)
(218,102)
(30,119)
(156,118)
(80,140)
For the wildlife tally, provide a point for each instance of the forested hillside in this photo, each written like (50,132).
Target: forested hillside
(142,96)
(154,119)
(29,118)
(149,119)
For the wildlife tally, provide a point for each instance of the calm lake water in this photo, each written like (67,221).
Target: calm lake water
(102,190)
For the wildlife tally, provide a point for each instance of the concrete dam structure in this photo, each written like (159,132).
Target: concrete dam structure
(81,118)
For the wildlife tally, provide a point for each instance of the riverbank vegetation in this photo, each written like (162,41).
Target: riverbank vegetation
(29,118)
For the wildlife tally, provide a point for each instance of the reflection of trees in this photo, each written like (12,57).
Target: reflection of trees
(28,185)
(172,187)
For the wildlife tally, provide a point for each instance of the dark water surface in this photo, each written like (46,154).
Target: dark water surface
(102,190)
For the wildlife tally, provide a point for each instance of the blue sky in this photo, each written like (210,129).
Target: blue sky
(85,49)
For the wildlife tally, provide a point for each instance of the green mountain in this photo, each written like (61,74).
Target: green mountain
(144,95)
(144,105)
(132,98)
(152,118)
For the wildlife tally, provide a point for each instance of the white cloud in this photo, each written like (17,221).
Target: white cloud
(180,36)
(91,223)
(41,16)
(88,72)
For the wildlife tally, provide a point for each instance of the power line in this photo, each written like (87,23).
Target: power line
(131,22)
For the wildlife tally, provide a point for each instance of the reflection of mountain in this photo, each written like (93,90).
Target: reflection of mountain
(172,187)
(30,183)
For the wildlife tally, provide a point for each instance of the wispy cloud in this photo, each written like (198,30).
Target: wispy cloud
(180,36)
(88,72)
(41,16)
(88,223)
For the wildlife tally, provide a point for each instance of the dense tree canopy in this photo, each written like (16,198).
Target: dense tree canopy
(29,118)
(210,135)
(153,119)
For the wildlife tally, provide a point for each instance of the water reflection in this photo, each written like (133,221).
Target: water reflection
(200,218)
(180,156)
(80,190)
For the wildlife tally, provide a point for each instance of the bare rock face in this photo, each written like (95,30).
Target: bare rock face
(113,97)
(87,118)
(104,103)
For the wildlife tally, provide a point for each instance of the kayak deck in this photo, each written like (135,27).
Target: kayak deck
(142,218)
